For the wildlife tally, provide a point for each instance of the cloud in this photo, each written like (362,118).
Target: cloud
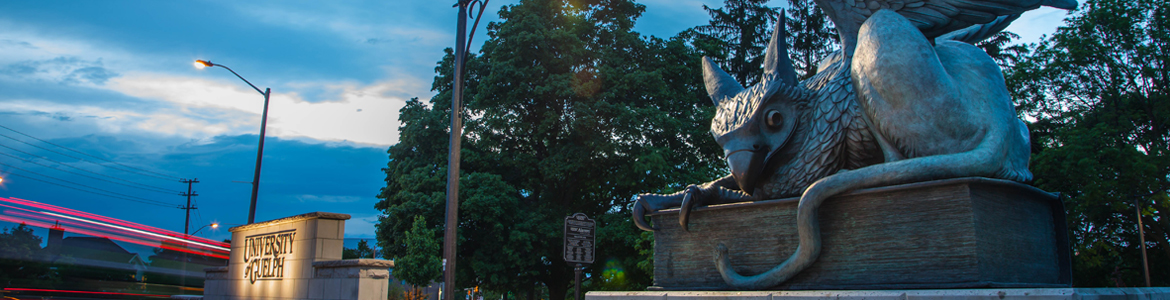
(361,114)
(138,96)
(55,49)
(328,198)
(62,69)
(354,22)
(361,226)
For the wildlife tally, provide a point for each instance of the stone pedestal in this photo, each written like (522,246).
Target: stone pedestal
(956,233)
(297,257)
(350,279)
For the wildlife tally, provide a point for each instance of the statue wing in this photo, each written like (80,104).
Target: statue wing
(933,17)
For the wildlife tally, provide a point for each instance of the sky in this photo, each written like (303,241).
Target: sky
(114,81)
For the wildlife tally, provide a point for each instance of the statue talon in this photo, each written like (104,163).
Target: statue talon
(640,214)
(644,203)
(691,199)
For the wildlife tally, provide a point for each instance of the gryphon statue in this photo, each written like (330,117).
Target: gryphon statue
(907,99)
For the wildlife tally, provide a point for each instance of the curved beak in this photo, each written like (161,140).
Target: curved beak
(746,166)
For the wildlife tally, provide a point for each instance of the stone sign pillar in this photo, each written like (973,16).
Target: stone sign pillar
(297,257)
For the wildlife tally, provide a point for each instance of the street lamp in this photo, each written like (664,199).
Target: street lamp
(212,225)
(200,64)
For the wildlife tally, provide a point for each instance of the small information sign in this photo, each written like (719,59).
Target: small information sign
(579,234)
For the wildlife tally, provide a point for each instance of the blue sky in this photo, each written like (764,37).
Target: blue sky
(115,79)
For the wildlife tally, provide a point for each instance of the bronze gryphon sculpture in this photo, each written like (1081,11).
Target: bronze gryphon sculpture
(907,99)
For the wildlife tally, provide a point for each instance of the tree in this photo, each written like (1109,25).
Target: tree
(736,36)
(421,265)
(569,111)
(363,250)
(998,47)
(22,260)
(1097,91)
(811,36)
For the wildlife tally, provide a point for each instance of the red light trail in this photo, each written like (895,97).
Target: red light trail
(83,292)
(48,216)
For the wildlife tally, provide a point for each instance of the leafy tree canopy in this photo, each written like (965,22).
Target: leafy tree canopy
(811,36)
(568,110)
(21,258)
(363,250)
(736,37)
(1097,95)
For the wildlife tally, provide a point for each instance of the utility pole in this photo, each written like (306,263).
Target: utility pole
(188,208)
(187,225)
(462,40)
(449,233)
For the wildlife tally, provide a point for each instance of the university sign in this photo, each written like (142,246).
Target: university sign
(296,258)
(264,255)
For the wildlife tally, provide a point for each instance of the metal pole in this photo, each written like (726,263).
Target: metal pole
(577,277)
(449,242)
(259,156)
(1142,236)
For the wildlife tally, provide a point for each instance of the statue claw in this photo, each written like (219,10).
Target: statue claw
(640,215)
(684,211)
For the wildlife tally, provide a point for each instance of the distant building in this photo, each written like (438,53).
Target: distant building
(94,258)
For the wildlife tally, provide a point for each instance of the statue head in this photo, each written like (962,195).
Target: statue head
(754,124)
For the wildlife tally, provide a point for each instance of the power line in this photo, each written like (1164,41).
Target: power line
(124,196)
(86,154)
(88,171)
(83,175)
(91,192)
(155,174)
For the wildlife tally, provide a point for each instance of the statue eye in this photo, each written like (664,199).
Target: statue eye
(773,118)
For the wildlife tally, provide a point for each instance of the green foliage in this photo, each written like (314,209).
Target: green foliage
(998,47)
(22,261)
(811,36)
(1097,91)
(421,264)
(736,37)
(363,250)
(569,111)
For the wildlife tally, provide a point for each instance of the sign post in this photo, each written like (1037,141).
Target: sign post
(579,245)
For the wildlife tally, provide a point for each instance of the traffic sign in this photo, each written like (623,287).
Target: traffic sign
(579,236)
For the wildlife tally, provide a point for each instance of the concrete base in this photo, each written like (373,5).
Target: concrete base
(1154,293)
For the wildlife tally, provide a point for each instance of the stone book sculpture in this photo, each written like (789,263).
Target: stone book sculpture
(907,99)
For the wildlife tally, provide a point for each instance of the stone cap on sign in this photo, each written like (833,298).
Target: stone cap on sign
(296,218)
(346,263)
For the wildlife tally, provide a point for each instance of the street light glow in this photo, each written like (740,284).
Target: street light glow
(214,225)
(200,64)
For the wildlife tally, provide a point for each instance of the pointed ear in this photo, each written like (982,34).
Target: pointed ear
(776,62)
(720,85)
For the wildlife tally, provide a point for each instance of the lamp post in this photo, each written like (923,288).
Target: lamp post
(212,225)
(200,64)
